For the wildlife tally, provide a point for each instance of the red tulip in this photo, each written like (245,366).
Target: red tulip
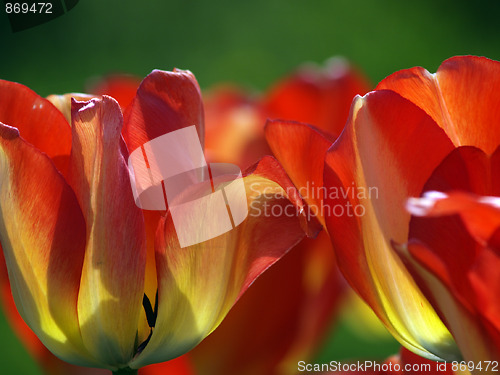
(453,251)
(393,140)
(82,256)
(303,290)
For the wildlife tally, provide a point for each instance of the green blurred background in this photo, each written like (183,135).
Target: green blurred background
(252,43)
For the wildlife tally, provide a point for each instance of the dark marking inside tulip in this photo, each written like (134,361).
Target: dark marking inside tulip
(148,309)
(151,316)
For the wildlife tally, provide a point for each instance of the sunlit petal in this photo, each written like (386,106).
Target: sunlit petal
(42,232)
(112,287)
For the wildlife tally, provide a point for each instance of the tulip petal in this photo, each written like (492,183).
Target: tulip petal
(480,215)
(42,231)
(63,102)
(485,281)
(290,141)
(317,96)
(459,255)
(165,101)
(37,120)
(385,154)
(112,287)
(281,319)
(478,172)
(463,323)
(197,285)
(463,263)
(461,97)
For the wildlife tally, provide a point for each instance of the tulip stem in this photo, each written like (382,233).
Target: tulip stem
(125,371)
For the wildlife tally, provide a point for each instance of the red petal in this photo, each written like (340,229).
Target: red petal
(436,278)
(485,280)
(478,175)
(468,269)
(38,121)
(468,169)
(480,215)
(461,97)
(165,101)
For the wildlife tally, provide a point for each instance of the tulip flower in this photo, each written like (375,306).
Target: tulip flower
(86,264)
(453,250)
(302,292)
(393,140)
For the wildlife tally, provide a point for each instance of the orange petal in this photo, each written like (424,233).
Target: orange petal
(199,284)
(385,154)
(461,97)
(165,101)
(112,287)
(37,120)
(43,240)
(290,141)
(320,97)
